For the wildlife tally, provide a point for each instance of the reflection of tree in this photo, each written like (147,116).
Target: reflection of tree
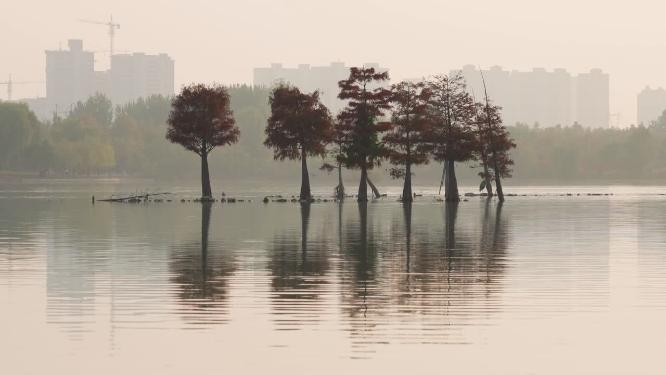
(298,278)
(446,276)
(201,272)
(494,241)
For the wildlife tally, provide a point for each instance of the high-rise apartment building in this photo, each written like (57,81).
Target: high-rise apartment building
(592,99)
(651,104)
(544,97)
(310,78)
(71,77)
(139,75)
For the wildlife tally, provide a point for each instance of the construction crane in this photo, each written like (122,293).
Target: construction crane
(10,84)
(112,32)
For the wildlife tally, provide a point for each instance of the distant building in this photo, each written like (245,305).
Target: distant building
(139,75)
(310,78)
(592,99)
(71,77)
(651,104)
(543,97)
(40,106)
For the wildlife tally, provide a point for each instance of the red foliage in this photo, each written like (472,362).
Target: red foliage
(451,112)
(201,119)
(406,140)
(494,140)
(298,122)
(358,123)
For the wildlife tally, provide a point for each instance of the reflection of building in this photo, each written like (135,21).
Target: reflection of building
(548,98)
(310,78)
(651,104)
(71,77)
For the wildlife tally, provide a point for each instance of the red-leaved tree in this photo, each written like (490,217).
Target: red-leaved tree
(495,144)
(406,140)
(452,138)
(200,120)
(360,122)
(299,126)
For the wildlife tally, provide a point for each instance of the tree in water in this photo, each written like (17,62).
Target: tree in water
(299,126)
(495,144)
(451,137)
(336,152)
(481,150)
(201,120)
(406,139)
(359,122)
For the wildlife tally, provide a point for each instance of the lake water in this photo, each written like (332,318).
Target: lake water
(539,285)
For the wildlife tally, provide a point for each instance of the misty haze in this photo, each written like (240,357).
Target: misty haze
(323,187)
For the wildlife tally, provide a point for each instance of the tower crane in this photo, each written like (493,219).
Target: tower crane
(10,84)
(112,32)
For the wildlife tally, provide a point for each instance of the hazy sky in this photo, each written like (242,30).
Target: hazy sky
(223,40)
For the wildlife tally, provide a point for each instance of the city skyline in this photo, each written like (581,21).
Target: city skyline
(515,34)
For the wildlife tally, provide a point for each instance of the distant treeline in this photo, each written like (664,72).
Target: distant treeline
(96,139)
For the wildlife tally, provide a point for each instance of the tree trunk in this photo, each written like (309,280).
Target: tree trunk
(451,183)
(498,184)
(305,179)
(363,185)
(486,174)
(340,189)
(206,191)
(375,191)
(407,188)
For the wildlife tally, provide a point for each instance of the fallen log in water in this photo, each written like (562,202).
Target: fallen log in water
(132,198)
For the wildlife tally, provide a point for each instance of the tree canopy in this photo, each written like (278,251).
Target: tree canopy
(299,124)
(201,119)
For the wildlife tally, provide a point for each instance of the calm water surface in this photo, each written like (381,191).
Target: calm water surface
(538,285)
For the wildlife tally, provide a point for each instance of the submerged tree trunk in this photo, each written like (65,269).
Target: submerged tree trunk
(498,182)
(305,221)
(205,226)
(486,176)
(340,189)
(451,183)
(407,188)
(407,213)
(305,178)
(206,191)
(363,185)
(375,191)
(451,214)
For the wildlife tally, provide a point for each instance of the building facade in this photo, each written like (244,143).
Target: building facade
(310,78)
(544,97)
(139,76)
(651,104)
(71,77)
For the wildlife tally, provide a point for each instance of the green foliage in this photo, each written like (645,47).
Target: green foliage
(134,144)
(19,129)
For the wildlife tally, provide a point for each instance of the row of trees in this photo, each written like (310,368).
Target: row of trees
(85,142)
(409,124)
(97,139)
